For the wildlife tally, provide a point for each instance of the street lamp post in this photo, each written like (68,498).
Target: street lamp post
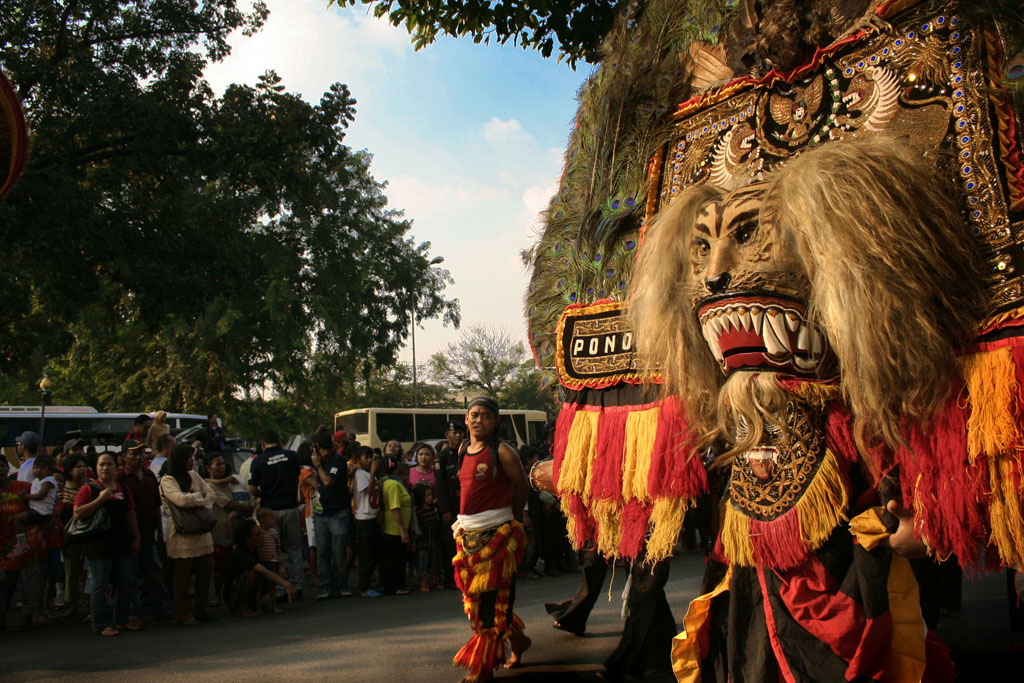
(44,393)
(415,385)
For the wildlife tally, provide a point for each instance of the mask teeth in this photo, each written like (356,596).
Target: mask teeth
(803,339)
(711,336)
(757,319)
(775,336)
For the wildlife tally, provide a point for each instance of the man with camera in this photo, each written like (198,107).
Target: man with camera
(333,520)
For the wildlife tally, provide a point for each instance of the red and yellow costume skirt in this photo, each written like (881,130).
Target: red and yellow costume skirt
(485,565)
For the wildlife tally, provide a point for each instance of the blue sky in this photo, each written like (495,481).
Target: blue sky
(469,138)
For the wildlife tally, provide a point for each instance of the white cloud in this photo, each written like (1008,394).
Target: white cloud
(537,198)
(312,46)
(498,132)
(421,199)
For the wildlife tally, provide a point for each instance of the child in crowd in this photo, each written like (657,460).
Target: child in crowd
(41,499)
(269,553)
(309,493)
(246,576)
(426,540)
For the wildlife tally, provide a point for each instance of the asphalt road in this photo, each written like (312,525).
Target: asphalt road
(412,638)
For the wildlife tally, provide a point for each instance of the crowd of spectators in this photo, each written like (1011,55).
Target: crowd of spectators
(163,530)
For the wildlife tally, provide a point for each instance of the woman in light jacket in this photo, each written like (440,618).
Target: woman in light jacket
(191,553)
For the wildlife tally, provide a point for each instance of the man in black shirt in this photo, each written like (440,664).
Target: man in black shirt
(274,484)
(447,469)
(333,520)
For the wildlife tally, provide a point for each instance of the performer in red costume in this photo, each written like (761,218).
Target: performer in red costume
(489,543)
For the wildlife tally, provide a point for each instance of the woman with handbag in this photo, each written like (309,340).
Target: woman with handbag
(188,500)
(105,519)
(76,469)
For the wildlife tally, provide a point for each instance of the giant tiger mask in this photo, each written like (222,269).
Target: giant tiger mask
(788,248)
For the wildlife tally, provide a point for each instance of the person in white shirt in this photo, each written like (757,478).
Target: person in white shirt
(41,499)
(364,488)
(27,446)
(164,446)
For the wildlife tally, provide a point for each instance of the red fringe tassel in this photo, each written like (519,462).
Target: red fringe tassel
(777,544)
(945,489)
(839,434)
(585,526)
(562,426)
(611,439)
(634,528)
(676,469)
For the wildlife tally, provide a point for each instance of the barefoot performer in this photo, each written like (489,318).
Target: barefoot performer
(489,543)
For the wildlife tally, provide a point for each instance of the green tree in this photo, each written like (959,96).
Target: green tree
(575,27)
(488,361)
(169,248)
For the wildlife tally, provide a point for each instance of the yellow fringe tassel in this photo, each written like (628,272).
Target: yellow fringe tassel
(736,536)
(607,513)
(992,385)
(574,476)
(1004,512)
(823,506)
(666,522)
(641,430)
(570,523)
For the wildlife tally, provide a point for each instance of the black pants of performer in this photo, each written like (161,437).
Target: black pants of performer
(698,520)
(939,587)
(392,564)
(645,649)
(572,615)
(488,601)
(1015,605)
(447,550)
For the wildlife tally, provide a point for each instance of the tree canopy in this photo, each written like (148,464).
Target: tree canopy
(574,27)
(489,361)
(167,247)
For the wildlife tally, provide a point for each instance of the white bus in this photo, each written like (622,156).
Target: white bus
(99,429)
(376,426)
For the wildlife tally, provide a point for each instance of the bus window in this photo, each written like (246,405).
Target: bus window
(519,422)
(430,426)
(535,429)
(396,426)
(506,431)
(355,423)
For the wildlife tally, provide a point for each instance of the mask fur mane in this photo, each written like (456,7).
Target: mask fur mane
(896,286)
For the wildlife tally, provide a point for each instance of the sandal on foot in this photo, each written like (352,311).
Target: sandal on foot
(110,632)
